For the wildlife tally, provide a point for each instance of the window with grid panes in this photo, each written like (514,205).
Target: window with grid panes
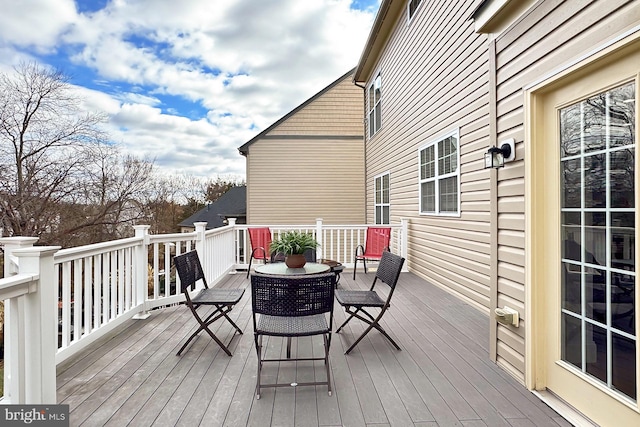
(440,176)
(382,206)
(375,105)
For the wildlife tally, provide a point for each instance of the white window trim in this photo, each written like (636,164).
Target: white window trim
(434,141)
(375,205)
(370,108)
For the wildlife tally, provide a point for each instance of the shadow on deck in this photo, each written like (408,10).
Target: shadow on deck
(442,376)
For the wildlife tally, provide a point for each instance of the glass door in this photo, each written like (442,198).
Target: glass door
(597,215)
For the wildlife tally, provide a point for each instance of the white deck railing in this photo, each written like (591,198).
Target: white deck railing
(59,301)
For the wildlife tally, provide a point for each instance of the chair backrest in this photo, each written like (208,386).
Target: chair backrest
(378,239)
(389,268)
(293,295)
(189,269)
(260,237)
(310,255)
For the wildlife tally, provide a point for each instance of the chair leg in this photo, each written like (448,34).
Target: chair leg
(220,311)
(372,325)
(226,316)
(249,269)
(258,341)
(352,315)
(327,345)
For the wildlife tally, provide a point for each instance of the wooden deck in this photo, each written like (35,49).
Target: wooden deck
(442,376)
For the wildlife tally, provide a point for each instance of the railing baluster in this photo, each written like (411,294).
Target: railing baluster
(77,299)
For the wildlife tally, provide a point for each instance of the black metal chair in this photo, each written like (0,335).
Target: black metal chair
(190,271)
(355,302)
(292,306)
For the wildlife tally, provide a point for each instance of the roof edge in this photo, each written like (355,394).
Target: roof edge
(382,25)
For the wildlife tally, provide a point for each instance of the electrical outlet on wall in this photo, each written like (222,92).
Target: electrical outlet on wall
(507,316)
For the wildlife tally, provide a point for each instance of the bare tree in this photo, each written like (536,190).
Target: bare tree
(59,180)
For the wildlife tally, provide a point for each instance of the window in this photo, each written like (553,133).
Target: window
(382,199)
(375,105)
(412,6)
(440,176)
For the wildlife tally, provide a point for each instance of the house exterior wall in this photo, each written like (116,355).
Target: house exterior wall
(434,72)
(439,74)
(549,35)
(311,164)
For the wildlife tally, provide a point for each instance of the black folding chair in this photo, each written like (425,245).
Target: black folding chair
(292,306)
(190,271)
(355,302)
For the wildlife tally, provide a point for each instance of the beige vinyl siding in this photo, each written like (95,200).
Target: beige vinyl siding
(434,80)
(549,35)
(318,179)
(339,111)
(310,164)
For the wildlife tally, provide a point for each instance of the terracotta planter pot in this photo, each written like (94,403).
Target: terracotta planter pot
(295,261)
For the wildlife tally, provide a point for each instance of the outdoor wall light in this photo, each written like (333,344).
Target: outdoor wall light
(496,157)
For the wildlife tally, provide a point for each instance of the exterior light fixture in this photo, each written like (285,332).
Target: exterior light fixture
(496,157)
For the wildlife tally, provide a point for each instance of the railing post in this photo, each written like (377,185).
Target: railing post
(235,249)
(201,227)
(142,270)
(10,244)
(404,235)
(40,325)
(320,249)
(12,381)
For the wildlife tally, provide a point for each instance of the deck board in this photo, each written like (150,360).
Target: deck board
(441,377)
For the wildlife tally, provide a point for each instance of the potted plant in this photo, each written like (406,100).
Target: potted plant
(293,244)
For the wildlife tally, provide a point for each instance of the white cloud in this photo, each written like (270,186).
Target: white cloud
(35,23)
(246,62)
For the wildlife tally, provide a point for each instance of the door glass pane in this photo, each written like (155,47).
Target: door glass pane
(596,351)
(571,235)
(593,122)
(595,293)
(623,241)
(622,112)
(623,296)
(570,135)
(572,287)
(571,340)
(570,175)
(597,183)
(621,173)
(624,366)
(595,237)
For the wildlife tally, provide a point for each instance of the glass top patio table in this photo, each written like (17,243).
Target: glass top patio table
(280,268)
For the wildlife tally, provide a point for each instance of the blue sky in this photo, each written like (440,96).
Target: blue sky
(185,83)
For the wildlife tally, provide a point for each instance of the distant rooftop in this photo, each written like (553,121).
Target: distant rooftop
(232,204)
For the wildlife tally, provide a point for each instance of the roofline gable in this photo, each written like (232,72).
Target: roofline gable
(244,149)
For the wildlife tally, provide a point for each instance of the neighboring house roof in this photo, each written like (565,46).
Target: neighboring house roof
(232,204)
(244,149)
